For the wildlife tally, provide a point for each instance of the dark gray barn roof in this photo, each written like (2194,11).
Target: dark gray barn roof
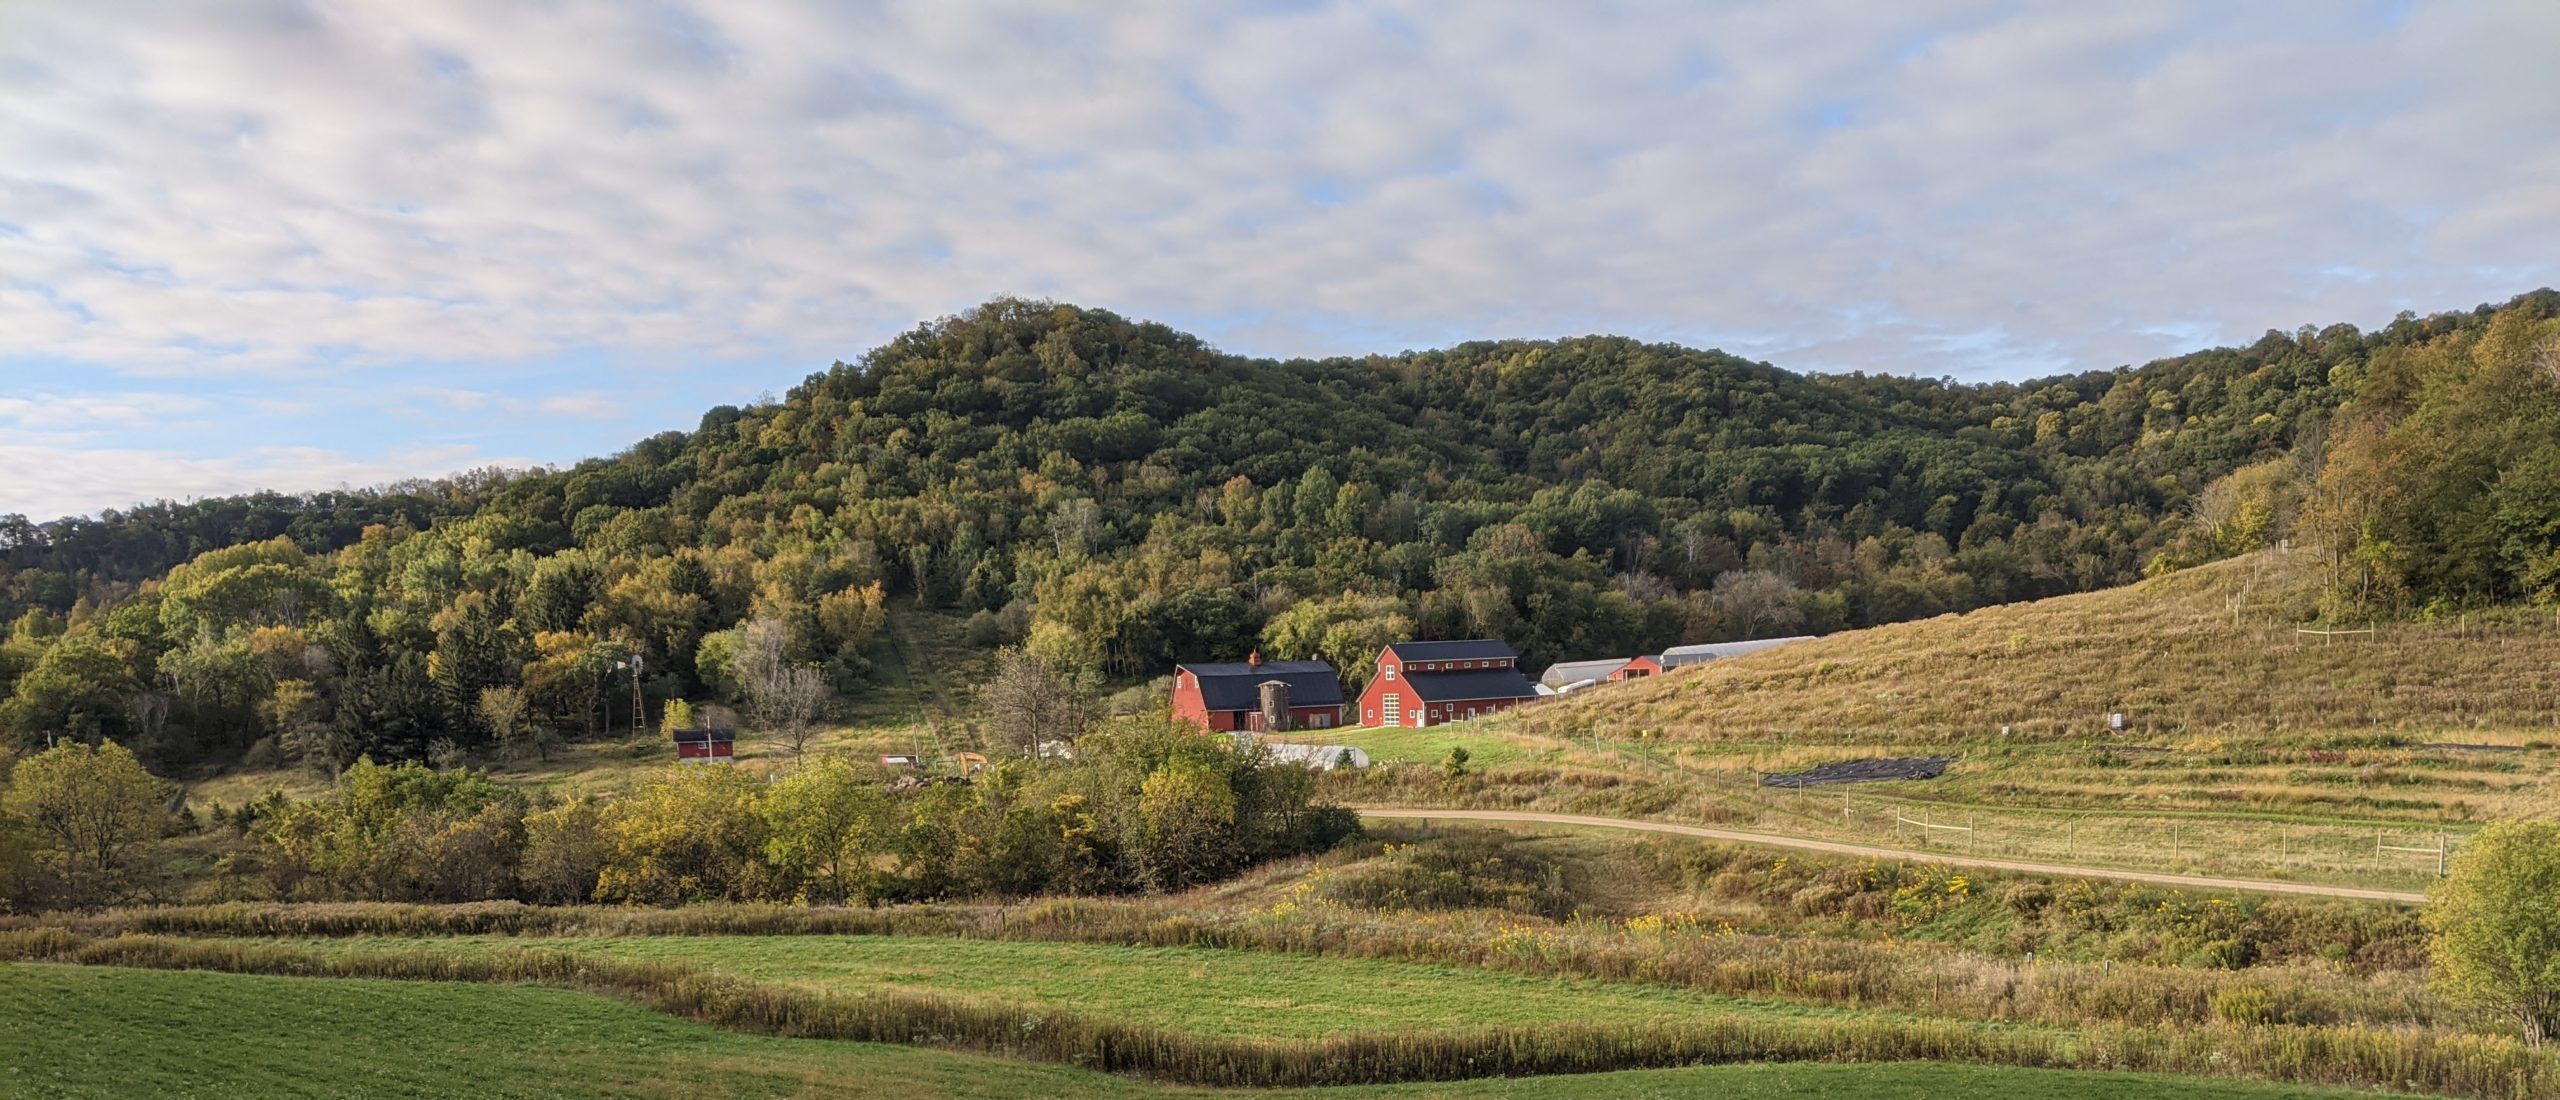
(1475,649)
(1470,684)
(1235,685)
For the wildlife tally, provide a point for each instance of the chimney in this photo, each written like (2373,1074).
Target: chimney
(1253,659)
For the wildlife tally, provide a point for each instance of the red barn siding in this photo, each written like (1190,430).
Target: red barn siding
(1638,669)
(1388,682)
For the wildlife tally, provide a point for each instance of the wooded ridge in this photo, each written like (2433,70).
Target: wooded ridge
(1116,495)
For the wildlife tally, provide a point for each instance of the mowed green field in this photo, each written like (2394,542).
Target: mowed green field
(1200,991)
(81,1032)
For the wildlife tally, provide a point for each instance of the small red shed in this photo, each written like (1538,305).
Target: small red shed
(1637,669)
(703,745)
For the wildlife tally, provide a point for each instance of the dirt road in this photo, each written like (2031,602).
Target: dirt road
(1836,848)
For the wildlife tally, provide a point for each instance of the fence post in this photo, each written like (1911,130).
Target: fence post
(2440,853)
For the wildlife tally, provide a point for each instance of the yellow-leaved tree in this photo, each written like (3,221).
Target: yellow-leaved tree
(2495,929)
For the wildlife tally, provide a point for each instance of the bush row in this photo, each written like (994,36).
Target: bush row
(1149,806)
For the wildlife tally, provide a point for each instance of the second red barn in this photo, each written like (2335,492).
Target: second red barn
(1258,695)
(1428,683)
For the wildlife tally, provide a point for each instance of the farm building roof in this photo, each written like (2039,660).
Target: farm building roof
(1470,684)
(702,734)
(1474,649)
(1236,685)
(1572,672)
(1679,655)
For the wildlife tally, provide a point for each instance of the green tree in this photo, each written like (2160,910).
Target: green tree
(1757,604)
(1186,826)
(1347,630)
(94,805)
(564,587)
(565,849)
(79,689)
(691,834)
(503,710)
(1314,499)
(399,832)
(476,649)
(22,880)
(295,715)
(823,823)
(2495,932)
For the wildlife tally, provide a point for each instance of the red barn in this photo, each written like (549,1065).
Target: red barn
(1428,683)
(705,746)
(1233,696)
(1637,669)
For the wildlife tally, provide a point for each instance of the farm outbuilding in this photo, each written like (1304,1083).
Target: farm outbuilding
(1256,695)
(1565,676)
(1428,683)
(705,745)
(1681,655)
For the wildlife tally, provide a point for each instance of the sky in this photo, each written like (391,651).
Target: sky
(299,245)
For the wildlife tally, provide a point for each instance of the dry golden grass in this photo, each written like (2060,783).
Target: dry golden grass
(2250,750)
(2205,652)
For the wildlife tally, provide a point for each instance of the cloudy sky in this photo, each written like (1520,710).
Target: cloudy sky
(296,245)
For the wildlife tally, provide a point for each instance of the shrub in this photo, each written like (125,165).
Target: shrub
(2244,1004)
(2496,933)
(1474,870)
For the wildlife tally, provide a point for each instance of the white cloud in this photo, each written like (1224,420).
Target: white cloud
(43,479)
(75,411)
(584,406)
(297,191)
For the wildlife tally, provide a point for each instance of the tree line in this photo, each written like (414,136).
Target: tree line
(2436,488)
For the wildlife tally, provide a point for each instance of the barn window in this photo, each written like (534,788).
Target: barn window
(1391,672)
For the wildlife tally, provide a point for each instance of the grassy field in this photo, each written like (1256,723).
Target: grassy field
(2206,652)
(109,1034)
(1198,991)
(2250,750)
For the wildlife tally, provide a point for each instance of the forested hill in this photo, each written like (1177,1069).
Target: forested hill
(1122,495)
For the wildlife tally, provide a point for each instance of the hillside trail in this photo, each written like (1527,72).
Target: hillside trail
(1775,840)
